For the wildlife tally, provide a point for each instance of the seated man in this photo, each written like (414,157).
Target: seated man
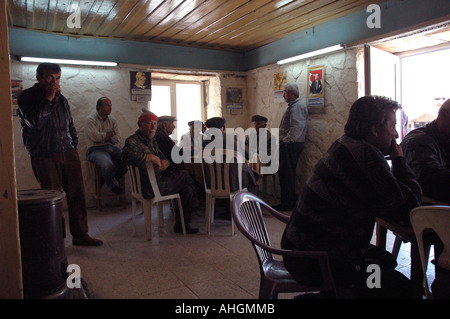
(194,138)
(141,147)
(427,151)
(162,136)
(252,141)
(349,187)
(216,129)
(104,137)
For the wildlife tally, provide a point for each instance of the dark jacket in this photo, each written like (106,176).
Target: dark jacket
(45,129)
(428,156)
(349,187)
(166,144)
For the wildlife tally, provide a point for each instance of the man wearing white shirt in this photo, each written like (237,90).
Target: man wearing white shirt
(104,138)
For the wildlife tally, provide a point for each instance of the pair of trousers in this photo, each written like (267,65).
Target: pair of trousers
(107,157)
(172,182)
(62,171)
(289,155)
(361,283)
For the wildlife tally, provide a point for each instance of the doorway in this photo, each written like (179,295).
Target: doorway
(424,85)
(411,70)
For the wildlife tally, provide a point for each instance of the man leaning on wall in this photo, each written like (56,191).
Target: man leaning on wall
(50,137)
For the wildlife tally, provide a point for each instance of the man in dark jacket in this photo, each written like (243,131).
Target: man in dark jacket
(166,126)
(349,187)
(51,139)
(427,151)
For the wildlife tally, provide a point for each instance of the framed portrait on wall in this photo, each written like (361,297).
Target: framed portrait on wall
(316,87)
(234,101)
(140,86)
(279,81)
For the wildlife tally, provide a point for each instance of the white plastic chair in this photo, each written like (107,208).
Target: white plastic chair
(136,194)
(436,218)
(219,177)
(257,168)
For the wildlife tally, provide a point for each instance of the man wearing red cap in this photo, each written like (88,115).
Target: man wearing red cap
(141,147)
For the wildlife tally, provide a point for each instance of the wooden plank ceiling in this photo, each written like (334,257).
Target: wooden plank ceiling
(236,25)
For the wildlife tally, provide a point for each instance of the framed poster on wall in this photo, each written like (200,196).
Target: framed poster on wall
(234,101)
(279,81)
(316,87)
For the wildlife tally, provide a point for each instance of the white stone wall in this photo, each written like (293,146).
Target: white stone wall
(343,76)
(82,86)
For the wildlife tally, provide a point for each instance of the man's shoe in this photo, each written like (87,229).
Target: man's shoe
(282,208)
(86,240)
(189,229)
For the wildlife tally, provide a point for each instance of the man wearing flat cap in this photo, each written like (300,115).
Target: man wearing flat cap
(214,125)
(165,128)
(140,148)
(252,144)
(193,139)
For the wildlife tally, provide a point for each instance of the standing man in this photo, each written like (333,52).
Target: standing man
(104,137)
(51,139)
(292,139)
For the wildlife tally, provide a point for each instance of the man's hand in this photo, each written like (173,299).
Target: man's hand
(158,164)
(396,150)
(109,136)
(52,92)
(165,164)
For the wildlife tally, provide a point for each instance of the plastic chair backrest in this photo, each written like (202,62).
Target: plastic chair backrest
(219,171)
(248,216)
(135,181)
(436,218)
(247,212)
(252,221)
(153,182)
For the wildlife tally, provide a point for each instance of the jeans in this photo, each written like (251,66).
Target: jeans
(107,157)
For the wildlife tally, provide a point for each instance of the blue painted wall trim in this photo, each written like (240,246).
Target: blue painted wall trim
(395,15)
(39,44)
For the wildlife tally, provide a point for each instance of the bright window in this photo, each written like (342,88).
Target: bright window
(180,99)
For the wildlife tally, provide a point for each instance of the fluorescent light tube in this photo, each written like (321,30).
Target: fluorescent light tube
(63,61)
(311,54)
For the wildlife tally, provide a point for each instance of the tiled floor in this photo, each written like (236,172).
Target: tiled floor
(173,266)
